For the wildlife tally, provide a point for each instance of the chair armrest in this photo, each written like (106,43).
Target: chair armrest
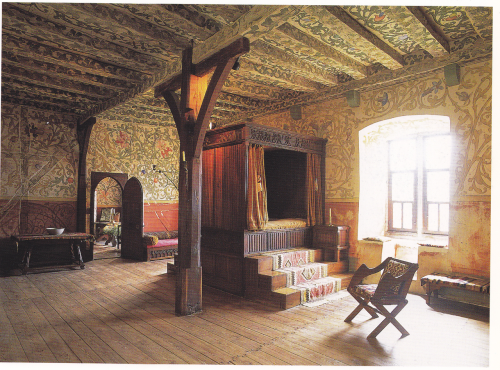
(362,272)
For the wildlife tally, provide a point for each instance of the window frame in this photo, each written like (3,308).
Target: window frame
(391,228)
(420,204)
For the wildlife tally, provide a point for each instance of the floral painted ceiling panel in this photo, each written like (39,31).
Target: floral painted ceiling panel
(105,60)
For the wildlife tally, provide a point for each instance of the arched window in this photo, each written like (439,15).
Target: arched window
(404,177)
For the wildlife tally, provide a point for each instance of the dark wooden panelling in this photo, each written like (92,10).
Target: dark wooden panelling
(333,239)
(277,239)
(255,242)
(224,188)
(222,240)
(325,234)
(268,240)
(222,271)
(300,237)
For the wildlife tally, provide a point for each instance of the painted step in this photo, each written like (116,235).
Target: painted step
(304,273)
(286,298)
(317,289)
(294,258)
(273,280)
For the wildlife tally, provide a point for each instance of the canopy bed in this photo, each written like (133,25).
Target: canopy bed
(263,190)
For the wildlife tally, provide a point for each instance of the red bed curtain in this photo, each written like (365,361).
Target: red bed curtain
(314,192)
(257,215)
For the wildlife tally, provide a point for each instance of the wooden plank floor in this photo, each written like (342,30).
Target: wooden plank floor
(120,311)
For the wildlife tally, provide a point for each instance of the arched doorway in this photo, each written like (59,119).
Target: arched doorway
(106,212)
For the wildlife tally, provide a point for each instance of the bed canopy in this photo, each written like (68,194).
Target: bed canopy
(263,190)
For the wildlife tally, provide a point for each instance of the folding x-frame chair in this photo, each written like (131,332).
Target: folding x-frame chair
(391,289)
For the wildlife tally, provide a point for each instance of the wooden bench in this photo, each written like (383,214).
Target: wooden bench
(437,280)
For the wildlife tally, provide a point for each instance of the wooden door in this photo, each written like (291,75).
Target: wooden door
(132,220)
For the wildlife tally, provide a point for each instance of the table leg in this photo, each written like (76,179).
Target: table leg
(429,292)
(80,259)
(26,259)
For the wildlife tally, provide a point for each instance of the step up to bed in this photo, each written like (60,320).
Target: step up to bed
(292,277)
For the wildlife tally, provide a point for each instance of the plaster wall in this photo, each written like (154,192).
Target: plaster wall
(469,107)
(39,163)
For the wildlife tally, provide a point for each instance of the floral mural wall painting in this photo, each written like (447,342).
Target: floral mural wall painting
(123,147)
(39,167)
(468,105)
(108,193)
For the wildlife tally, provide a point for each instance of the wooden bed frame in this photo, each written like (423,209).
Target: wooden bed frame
(225,240)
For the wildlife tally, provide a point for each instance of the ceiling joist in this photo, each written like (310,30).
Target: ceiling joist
(93,57)
(345,18)
(432,38)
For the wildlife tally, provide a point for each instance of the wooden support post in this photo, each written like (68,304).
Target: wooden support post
(192,114)
(83,134)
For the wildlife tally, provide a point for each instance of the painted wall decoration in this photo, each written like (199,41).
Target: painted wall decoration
(117,146)
(108,193)
(39,153)
(468,105)
(39,164)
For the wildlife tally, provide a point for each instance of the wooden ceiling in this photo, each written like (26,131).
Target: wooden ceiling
(104,60)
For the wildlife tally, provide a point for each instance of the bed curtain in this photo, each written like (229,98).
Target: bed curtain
(257,215)
(314,191)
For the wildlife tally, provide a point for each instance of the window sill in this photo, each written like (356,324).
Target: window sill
(427,240)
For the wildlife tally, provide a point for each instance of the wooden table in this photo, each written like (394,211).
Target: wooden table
(28,242)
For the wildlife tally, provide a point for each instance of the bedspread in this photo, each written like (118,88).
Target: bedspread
(285,223)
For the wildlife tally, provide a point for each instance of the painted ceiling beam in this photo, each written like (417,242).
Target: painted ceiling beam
(48,53)
(238,100)
(221,14)
(20,19)
(220,106)
(139,29)
(337,59)
(320,23)
(164,18)
(76,75)
(260,20)
(275,76)
(293,63)
(241,86)
(42,106)
(49,92)
(117,28)
(252,25)
(184,13)
(30,96)
(345,18)
(479,51)
(480,18)
(425,39)
(48,80)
